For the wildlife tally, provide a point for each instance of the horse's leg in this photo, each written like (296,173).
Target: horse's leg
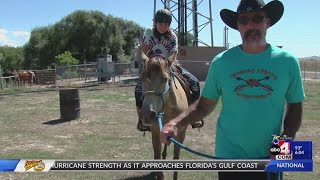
(164,152)
(31,80)
(176,151)
(156,143)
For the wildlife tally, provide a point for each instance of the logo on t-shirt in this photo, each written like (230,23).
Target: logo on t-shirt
(253,83)
(258,83)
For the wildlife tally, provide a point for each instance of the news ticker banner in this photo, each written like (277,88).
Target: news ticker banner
(289,156)
(155,165)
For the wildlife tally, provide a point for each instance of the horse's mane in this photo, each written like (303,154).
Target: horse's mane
(156,64)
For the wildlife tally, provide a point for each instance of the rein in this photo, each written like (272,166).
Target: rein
(171,139)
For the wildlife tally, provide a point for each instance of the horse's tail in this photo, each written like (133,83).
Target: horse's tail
(33,75)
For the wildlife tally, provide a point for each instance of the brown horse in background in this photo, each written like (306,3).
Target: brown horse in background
(158,79)
(26,76)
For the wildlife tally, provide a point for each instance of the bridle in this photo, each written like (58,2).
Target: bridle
(160,94)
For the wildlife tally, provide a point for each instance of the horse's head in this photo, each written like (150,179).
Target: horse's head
(155,86)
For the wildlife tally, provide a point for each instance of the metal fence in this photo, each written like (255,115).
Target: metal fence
(310,70)
(64,75)
(89,72)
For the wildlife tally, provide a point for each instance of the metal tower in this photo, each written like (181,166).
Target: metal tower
(186,15)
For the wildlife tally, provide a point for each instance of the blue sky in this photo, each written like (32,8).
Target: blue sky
(297,31)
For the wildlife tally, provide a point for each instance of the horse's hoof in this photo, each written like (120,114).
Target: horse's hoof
(198,124)
(142,128)
(160,176)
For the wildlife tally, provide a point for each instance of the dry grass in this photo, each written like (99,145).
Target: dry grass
(30,129)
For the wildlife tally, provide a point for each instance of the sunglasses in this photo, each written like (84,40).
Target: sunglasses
(244,20)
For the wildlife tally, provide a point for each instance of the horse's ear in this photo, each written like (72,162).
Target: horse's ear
(144,58)
(171,59)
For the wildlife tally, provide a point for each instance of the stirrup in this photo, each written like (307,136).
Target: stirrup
(198,124)
(142,128)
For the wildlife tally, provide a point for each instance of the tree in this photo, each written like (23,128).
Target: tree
(65,59)
(11,58)
(41,49)
(84,34)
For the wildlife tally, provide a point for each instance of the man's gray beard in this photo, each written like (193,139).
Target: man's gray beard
(256,41)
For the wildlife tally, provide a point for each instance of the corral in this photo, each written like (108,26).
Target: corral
(30,129)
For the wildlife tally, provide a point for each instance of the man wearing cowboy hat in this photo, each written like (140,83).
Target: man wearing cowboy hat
(255,80)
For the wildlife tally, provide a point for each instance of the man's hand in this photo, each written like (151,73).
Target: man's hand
(169,130)
(198,110)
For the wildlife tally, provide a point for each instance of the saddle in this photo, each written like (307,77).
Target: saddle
(177,71)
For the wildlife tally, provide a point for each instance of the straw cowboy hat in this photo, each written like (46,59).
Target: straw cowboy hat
(274,11)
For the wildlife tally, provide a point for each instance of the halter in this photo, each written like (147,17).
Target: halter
(160,94)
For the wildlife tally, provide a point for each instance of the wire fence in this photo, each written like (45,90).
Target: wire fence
(66,75)
(310,70)
(92,72)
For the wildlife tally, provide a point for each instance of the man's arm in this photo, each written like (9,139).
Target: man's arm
(198,110)
(292,119)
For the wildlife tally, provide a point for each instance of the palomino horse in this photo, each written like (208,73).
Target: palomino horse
(162,92)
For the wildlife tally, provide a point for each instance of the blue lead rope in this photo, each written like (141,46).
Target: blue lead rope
(279,175)
(160,117)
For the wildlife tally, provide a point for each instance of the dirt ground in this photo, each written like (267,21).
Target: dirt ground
(30,128)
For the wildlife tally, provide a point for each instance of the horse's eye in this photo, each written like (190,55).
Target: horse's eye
(164,80)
